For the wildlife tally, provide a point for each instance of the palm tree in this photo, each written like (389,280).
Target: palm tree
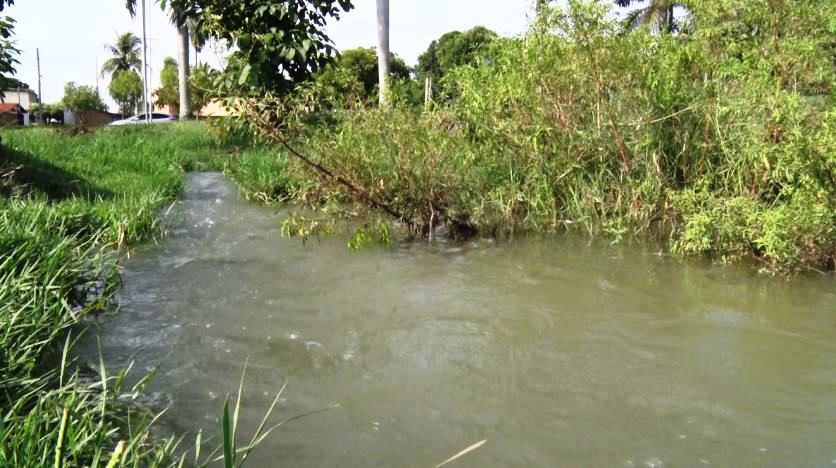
(383,49)
(183,44)
(657,14)
(180,20)
(125,54)
(198,38)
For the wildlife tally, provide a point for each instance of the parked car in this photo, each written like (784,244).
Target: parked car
(140,119)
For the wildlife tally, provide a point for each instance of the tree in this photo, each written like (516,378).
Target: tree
(8,51)
(203,86)
(168,94)
(383,49)
(275,44)
(181,21)
(452,50)
(81,98)
(657,14)
(354,77)
(126,89)
(181,17)
(125,54)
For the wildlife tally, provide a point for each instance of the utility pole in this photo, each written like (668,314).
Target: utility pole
(150,111)
(145,65)
(383,50)
(40,96)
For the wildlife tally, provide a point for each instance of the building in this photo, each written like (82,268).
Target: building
(13,114)
(214,108)
(23,96)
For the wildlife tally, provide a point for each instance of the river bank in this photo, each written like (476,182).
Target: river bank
(717,140)
(71,207)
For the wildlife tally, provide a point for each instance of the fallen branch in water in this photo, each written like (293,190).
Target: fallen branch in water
(271,133)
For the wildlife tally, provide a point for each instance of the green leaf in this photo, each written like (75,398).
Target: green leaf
(245,73)
(229,447)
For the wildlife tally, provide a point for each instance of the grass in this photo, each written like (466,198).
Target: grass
(70,203)
(719,142)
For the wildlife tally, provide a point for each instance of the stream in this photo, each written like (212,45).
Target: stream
(557,350)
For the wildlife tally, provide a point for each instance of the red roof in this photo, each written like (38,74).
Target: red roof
(10,107)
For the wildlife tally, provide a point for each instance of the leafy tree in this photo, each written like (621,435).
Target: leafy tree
(126,89)
(203,85)
(125,54)
(452,50)
(8,51)
(360,65)
(275,44)
(47,112)
(168,94)
(82,98)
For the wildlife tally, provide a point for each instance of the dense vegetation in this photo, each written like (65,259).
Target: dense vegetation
(719,140)
(715,136)
(69,207)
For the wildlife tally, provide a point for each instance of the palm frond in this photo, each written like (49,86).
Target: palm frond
(635,19)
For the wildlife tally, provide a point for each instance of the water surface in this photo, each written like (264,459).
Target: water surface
(558,352)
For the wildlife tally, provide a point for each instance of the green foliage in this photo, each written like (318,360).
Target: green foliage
(126,89)
(275,44)
(125,54)
(452,50)
(81,98)
(168,93)
(8,51)
(203,81)
(47,111)
(720,141)
(352,79)
(67,205)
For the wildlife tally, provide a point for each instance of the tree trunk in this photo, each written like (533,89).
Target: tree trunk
(183,69)
(671,23)
(383,49)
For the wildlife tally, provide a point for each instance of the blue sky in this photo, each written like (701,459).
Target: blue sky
(71,34)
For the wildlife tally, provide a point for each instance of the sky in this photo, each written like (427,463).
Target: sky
(71,34)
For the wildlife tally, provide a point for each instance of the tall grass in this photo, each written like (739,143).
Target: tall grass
(69,203)
(720,141)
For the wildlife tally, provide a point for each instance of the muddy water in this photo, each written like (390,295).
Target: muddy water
(558,352)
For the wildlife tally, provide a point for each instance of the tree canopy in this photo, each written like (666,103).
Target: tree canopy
(8,51)
(276,44)
(125,54)
(203,89)
(81,98)
(354,74)
(126,89)
(168,93)
(452,50)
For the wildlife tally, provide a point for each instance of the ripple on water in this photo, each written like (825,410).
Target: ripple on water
(553,350)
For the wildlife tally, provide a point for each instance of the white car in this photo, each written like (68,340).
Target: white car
(140,119)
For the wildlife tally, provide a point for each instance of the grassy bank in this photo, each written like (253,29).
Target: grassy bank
(719,141)
(69,205)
